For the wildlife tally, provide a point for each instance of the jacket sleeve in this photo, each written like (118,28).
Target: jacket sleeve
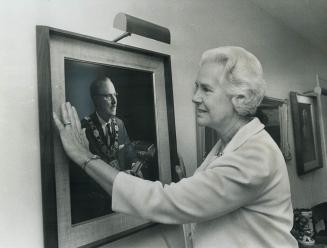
(230,182)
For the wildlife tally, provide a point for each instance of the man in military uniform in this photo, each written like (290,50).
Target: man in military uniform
(106,133)
(108,139)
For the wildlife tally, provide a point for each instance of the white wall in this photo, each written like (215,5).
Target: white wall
(290,63)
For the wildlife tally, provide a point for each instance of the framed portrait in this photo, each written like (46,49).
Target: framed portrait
(306,133)
(76,211)
(272,112)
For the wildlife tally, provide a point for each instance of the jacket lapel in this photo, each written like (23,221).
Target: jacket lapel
(210,157)
(242,135)
(98,126)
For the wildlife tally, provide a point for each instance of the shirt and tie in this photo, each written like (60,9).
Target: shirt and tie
(107,127)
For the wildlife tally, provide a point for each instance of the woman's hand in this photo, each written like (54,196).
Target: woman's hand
(72,136)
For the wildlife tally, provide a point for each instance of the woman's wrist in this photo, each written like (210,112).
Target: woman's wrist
(93,157)
(83,158)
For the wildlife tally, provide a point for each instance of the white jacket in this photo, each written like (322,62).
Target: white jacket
(238,200)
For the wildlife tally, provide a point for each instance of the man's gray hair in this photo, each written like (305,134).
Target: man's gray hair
(242,76)
(96,84)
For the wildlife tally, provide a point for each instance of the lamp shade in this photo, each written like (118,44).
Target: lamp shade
(134,25)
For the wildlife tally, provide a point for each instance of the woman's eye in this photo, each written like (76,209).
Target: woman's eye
(205,89)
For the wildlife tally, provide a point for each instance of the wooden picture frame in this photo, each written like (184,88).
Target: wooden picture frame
(273,113)
(66,62)
(306,133)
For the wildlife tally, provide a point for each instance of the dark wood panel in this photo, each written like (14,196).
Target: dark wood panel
(49,203)
(171,118)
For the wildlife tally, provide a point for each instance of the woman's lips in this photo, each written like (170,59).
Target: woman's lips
(201,110)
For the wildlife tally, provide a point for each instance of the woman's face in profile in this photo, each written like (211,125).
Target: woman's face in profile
(214,107)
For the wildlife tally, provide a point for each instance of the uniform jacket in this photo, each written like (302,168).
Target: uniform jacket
(126,153)
(240,199)
(88,199)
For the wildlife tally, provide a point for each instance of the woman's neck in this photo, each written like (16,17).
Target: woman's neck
(227,131)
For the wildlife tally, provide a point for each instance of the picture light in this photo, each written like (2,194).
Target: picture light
(133,25)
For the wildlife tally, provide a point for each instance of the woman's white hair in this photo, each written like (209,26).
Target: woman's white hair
(242,77)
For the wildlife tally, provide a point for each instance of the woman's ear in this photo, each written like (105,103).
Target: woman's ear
(238,100)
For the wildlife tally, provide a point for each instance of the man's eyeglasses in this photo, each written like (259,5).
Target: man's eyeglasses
(108,96)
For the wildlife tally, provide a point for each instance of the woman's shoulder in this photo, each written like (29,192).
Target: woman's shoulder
(259,154)
(265,143)
(264,151)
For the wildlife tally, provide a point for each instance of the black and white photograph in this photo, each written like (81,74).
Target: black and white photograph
(126,95)
(163,124)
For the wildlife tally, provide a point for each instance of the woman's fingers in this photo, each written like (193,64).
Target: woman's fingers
(58,123)
(69,120)
(76,120)
(84,138)
(65,114)
(72,137)
(76,124)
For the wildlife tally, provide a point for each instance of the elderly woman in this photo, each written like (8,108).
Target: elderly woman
(240,195)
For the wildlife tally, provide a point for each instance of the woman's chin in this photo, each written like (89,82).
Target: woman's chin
(201,122)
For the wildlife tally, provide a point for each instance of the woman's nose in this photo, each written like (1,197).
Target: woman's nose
(196,97)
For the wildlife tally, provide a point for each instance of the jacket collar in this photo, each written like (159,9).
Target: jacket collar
(241,136)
